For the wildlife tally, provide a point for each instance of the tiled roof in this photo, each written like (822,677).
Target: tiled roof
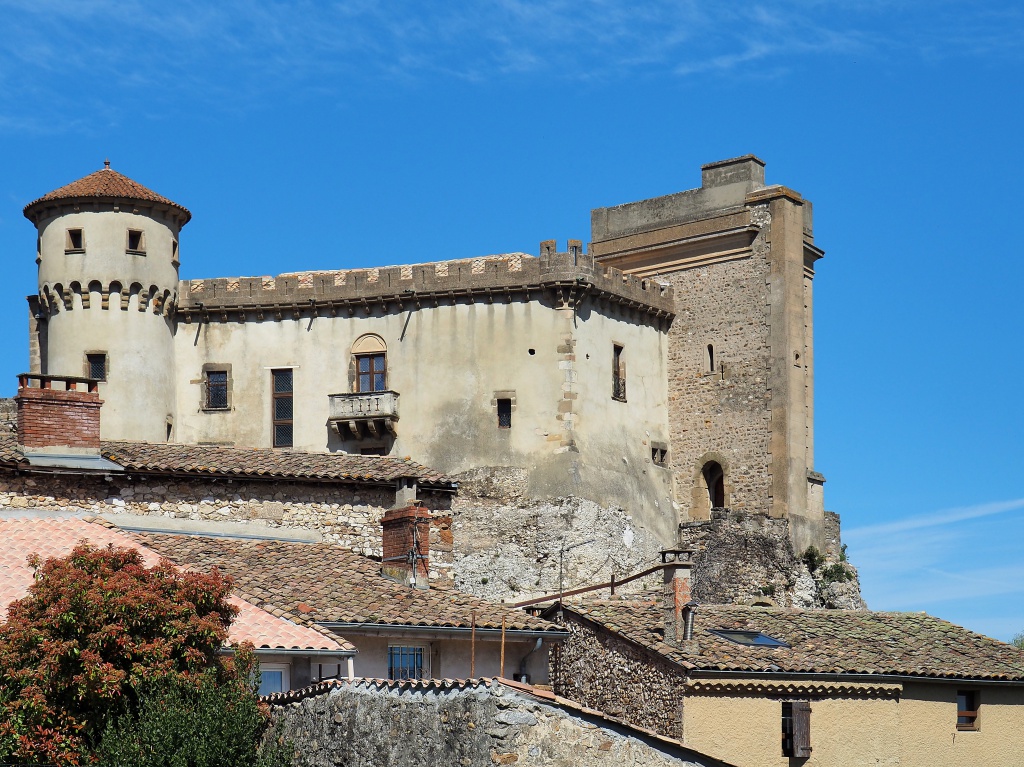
(106,183)
(821,641)
(330,584)
(57,536)
(210,460)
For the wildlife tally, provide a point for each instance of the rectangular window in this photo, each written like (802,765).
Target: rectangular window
(967,709)
(371,373)
(281,407)
(274,678)
(96,365)
(618,374)
(504,414)
(659,455)
(74,241)
(216,390)
(405,663)
(796,728)
(136,242)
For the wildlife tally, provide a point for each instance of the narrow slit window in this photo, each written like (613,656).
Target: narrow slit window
(282,407)
(136,241)
(504,414)
(96,365)
(74,241)
(710,358)
(618,374)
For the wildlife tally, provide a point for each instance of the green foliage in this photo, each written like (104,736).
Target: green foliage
(842,553)
(813,558)
(837,573)
(768,591)
(210,724)
(97,629)
(1018,641)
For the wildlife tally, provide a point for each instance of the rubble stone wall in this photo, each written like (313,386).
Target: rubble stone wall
(725,411)
(608,674)
(367,724)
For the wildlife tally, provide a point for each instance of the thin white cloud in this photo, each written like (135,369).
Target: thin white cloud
(936,519)
(236,54)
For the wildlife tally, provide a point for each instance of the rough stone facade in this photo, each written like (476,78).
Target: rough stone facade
(748,558)
(478,724)
(721,414)
(619,679)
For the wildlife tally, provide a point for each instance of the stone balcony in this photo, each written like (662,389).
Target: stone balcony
(364,415)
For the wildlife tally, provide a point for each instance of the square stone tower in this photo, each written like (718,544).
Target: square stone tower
(740,256)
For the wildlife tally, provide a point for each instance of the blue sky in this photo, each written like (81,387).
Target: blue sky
(310,135)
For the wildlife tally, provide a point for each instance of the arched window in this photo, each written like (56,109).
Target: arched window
(370,355)
(714,480)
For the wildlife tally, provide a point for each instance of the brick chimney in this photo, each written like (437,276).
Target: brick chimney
(59,415)
(677,605)
(406,538)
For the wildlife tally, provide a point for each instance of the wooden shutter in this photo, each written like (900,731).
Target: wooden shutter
(801,728)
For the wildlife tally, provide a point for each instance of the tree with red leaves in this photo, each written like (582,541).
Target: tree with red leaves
(96,631)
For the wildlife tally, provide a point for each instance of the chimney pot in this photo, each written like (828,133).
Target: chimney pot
(677,605)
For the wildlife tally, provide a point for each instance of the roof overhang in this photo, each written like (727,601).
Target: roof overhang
(441,632)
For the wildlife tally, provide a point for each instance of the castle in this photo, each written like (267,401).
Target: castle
(665,371)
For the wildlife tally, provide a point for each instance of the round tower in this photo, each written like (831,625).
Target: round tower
(107,251)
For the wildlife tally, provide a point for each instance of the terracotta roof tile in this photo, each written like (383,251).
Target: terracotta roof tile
(209,460)
(822,641)
(57,536)
(105,183)
(335,584)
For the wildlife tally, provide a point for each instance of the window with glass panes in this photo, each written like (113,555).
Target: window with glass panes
(405,663)
(371,372)
(216,389)
(282,407)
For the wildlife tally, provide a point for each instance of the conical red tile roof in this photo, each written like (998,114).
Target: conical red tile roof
(106,183)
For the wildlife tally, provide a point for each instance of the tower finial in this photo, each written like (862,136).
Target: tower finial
(106,163)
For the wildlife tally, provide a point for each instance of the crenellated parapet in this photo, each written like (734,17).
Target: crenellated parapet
(563,277)
(57,297)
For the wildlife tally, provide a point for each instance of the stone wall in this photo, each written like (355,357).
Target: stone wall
(606,673)
(475,724)
(343,514)
(744,558)
(721,414)
(508,546)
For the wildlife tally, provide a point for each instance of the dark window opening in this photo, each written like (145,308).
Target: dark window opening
(136,241)
(796,728)
(966,709)
(282,407)
(618,374)
(373,451)
(371,372)
(97,365)
(174,250)
(216,389)
(504,414)
(405,663)
(714,479)
(659,455)
(711,358)
(75,240)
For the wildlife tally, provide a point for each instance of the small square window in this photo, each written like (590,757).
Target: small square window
(74,241)
(659,454)
(136,241)
(504,414)
(96,365)
(967,709)
(217,388)
(405,662)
